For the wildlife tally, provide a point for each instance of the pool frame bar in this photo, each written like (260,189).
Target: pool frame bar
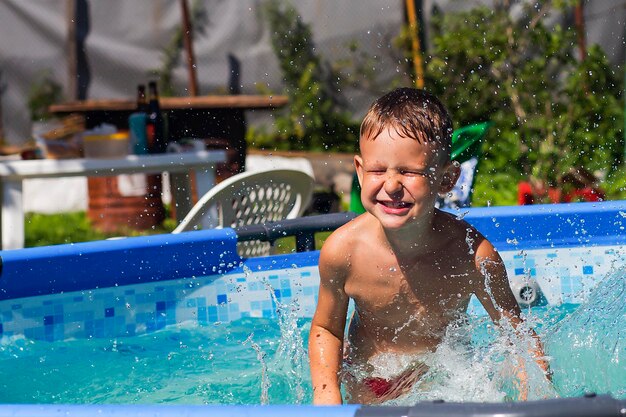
(587,406)
(593,231)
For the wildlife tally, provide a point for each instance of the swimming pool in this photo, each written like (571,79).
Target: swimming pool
(124,289)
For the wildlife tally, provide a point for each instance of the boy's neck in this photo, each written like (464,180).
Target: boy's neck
(414,240)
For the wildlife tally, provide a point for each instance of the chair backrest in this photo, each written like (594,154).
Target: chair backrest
(251,198)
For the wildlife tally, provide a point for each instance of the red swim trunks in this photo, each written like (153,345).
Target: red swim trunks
(393,388)
(379,386)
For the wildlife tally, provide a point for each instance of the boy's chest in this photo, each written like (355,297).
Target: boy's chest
(386,286)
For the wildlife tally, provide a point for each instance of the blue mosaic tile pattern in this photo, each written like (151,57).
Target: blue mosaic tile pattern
(564,275)
(144,308)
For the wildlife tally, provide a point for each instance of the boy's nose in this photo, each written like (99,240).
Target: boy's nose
(393,185)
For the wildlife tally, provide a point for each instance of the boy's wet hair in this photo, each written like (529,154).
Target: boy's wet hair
(413,113)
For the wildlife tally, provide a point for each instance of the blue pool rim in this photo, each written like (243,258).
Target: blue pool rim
(76,267)
(587,406)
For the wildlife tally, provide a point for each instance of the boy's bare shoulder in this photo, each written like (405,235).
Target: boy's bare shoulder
(456,225)
(345,236)
(479,248)
(344,241)
(333,265)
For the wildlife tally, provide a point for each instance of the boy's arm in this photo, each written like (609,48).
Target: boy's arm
(327,327)
(498,299)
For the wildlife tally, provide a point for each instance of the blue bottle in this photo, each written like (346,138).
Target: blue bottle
(137,124)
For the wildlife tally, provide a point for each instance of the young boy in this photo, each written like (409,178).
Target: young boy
(409,267)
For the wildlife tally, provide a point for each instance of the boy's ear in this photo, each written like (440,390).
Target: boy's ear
(450,176)
(358,166)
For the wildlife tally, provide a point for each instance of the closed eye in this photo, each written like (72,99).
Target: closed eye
(375,171)
(413,173)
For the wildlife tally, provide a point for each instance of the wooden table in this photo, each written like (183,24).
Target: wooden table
(12,174)
(245,102)
(217,119)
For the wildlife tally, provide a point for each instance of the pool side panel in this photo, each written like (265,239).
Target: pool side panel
(137,285)
(564,275)
(550,225)
(82,266)
(140,285)
(131,310)
(74,267)
(260,288)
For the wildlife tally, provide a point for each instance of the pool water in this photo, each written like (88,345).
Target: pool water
(261,361)
(182,364)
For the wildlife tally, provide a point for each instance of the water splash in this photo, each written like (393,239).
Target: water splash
(589,345)
(466,367)
(265,382)
(287,369)
(470,241)
(480,361)
(291,357)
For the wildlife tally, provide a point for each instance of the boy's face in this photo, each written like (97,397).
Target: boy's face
(401,178)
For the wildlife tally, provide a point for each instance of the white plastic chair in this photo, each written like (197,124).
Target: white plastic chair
(251,198)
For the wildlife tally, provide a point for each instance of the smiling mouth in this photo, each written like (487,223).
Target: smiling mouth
(395,204)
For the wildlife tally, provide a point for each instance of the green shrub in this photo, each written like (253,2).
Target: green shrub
(551,111)
(55,229)
(315,119)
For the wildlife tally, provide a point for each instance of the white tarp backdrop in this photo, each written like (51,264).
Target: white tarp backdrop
(126,38)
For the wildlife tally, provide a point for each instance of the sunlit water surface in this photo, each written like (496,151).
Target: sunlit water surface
(258,361)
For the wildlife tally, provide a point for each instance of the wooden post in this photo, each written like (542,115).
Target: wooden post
(415,43)
(579,19)
(188,42)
